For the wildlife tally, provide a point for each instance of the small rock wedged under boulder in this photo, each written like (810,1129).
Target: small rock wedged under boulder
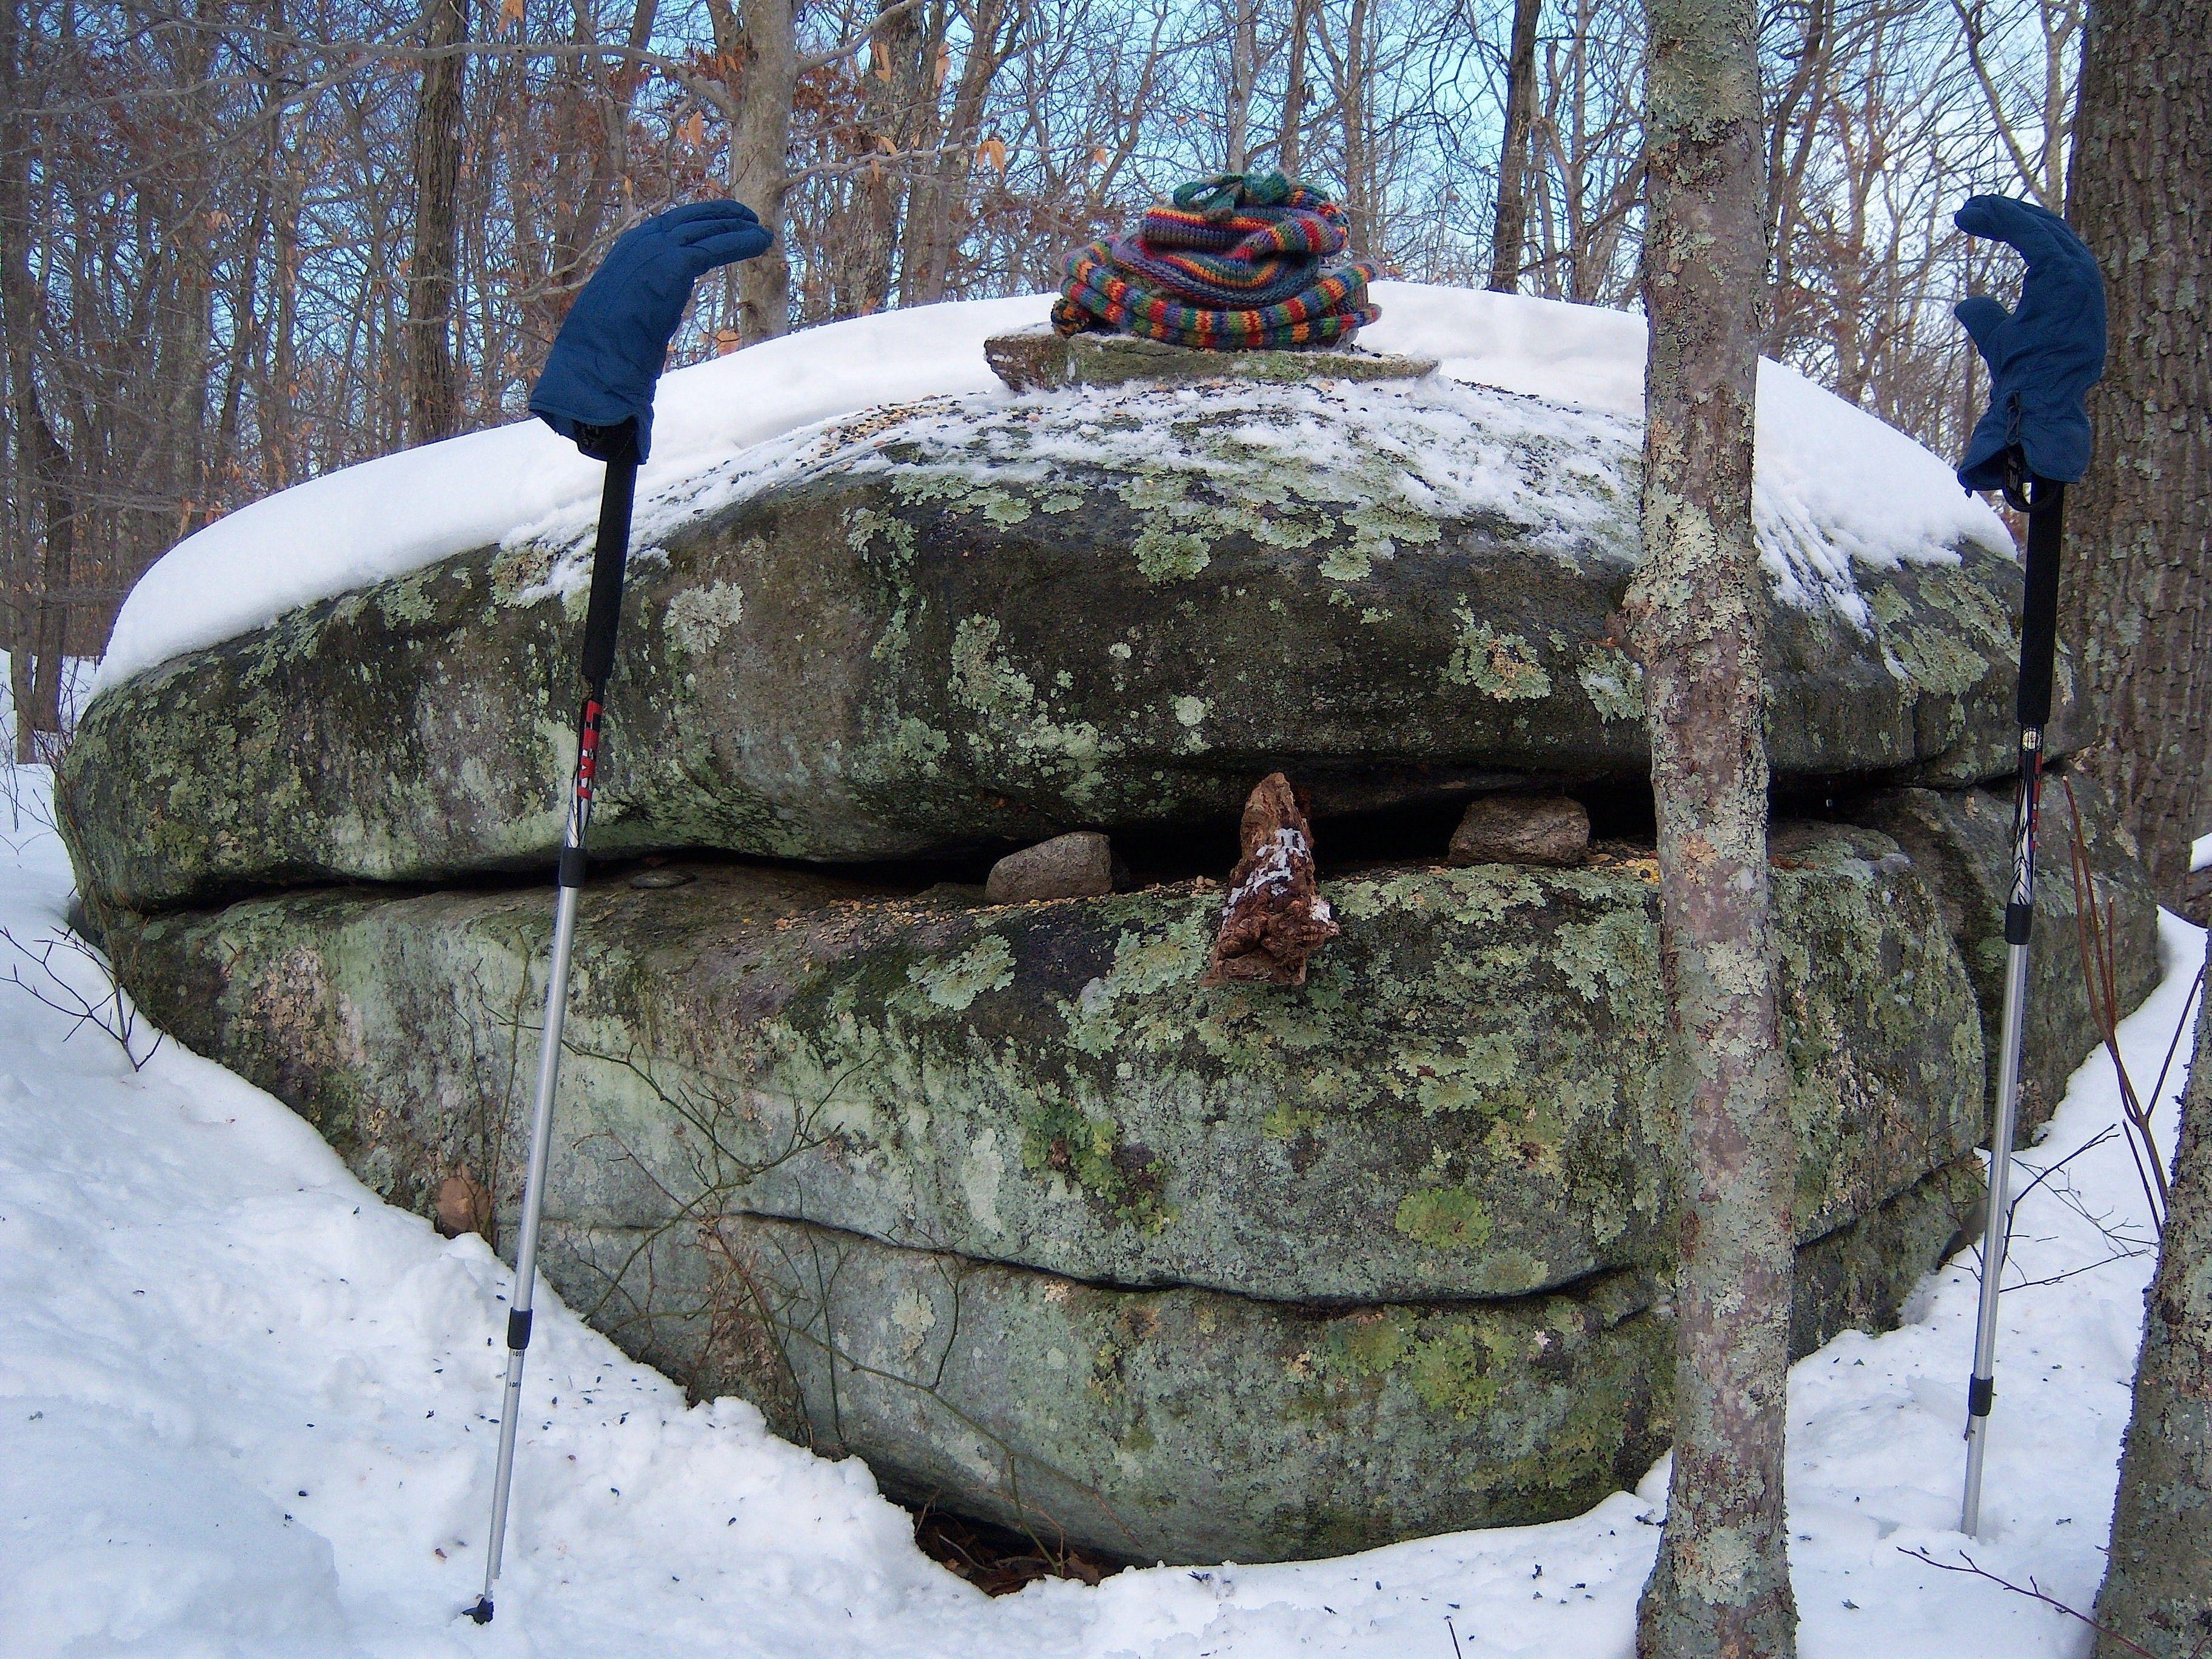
(1962,839)
(1462,1101)
(1511,829)
(1078,864)
(987,621)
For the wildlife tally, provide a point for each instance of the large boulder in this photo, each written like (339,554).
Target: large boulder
(975,620)
(1464,1101)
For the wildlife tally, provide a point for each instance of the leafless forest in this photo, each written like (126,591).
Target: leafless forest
(245,241)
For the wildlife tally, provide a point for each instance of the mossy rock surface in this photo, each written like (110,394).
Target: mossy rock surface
(1464,1100)
(975,622)
(1961,841)
(1185,1424)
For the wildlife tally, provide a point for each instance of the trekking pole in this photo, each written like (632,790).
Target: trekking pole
(617,446)
(2031,443)
(2045,508)
(597,389)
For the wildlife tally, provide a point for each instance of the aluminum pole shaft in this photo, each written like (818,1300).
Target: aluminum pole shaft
(1994,1230)
(533,1206)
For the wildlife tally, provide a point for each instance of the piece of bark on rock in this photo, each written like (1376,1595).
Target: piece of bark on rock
(1275,918)
(1517,828)
(461,1205)
(1080,865)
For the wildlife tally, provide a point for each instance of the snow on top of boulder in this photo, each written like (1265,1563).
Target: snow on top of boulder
(1835,486)
(1387,457)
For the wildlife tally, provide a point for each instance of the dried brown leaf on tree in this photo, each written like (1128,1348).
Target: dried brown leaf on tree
(1275,918)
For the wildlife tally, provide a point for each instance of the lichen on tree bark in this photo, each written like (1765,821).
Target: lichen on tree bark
(1721,1585)
(2158,1590)
(2138,592)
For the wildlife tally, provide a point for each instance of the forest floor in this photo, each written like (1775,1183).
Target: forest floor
(245,1411)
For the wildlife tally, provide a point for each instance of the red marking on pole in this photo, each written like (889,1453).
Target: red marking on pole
(587,750)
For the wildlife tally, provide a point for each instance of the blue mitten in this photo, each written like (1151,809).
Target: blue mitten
(2044,357)
(607,357)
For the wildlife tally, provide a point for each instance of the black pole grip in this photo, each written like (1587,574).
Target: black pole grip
(2039,620)
(617,446)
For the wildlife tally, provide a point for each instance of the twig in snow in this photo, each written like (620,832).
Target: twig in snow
(2035,1592)
(2120,1246)
(111,1011)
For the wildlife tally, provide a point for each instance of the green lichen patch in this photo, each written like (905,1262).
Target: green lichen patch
(1443,1219)
(1502,665)
(1129,1180)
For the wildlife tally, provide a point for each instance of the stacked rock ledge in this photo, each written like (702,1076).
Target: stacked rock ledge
(979,622)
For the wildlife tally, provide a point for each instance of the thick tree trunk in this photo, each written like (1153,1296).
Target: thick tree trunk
(2138,592)
(889,98)
(433,389)
(765,45)
(937,211)
(38,705)
(2158,1588)
(1722,1583)
(1354,75)
(1513,158)
(42,509)
(1288,151)
(1243,22)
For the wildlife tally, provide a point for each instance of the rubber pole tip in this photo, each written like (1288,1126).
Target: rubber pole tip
(482,1612)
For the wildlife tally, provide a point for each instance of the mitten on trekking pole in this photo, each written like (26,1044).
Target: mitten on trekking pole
(608,355)
(2043,357)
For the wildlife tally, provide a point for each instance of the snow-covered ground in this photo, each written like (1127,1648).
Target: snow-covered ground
(243,1411)
(1835,487)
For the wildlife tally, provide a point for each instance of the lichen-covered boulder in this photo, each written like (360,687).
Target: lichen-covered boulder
(1463,1100)
(1186,1424)
(977,620)
(1961,841)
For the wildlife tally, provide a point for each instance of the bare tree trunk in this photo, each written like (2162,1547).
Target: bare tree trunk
(41,508)
(1355,90)
(2139,588)
(39,716)
(434,391)
(1243,73)
(1721,1585)
(18,296)
(938,207)
(890,97)
(1513,158)
(2158,1588)
(764,45)
(1287,146)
